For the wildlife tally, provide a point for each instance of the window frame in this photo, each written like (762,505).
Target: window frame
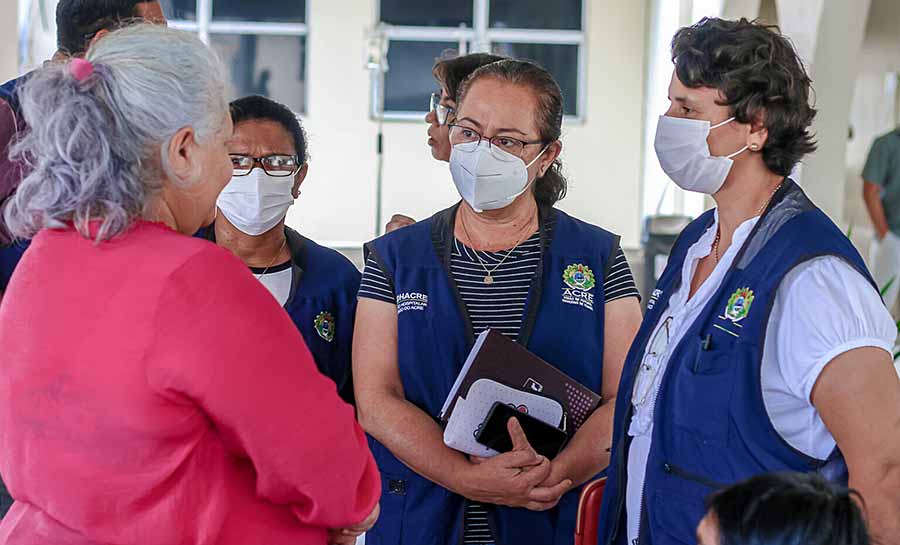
(204,26)
(480,38)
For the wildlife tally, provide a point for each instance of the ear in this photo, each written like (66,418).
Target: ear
(298,179)
(550,155)
(181,155)
(759,134)
(100,34)
(58,57)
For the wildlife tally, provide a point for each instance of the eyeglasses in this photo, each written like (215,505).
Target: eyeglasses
(650,364)
(467,139)
(441,111)
(280,166)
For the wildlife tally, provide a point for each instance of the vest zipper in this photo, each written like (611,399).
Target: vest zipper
(687,475)
(620,467)
(621,460)
(639,539)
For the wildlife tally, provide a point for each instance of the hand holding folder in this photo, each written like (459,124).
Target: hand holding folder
(512,478)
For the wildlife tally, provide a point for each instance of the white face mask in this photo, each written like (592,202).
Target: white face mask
(683,154)
(255,203)
(488,178)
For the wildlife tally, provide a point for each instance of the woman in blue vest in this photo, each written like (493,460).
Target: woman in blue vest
(499,260)
(765,346)
(316,285)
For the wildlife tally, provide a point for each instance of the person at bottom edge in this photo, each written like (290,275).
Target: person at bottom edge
(784,509)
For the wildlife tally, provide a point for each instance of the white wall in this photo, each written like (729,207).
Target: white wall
(9,47)
(336,200)
(36,32)
(874,107)
(602,155)
(829,38)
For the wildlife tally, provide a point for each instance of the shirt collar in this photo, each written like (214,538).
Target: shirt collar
(737,240)
(703,248)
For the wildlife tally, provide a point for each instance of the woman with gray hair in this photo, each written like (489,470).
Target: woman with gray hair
(151,390)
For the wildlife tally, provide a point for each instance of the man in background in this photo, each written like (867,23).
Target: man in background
(881,192)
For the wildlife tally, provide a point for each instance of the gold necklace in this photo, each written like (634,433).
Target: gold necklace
(489,274)
(274,257)
(716,244)
(758,212)
(772,196)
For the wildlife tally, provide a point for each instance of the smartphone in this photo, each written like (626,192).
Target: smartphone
(545,439)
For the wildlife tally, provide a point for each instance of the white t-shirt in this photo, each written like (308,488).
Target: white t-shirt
(823,308)
(278,283)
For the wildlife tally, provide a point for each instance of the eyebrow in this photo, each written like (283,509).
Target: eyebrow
(470,120)
(499,131)
(684,100)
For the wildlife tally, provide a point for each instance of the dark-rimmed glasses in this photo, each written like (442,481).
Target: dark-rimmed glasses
(280,166)
(467,139)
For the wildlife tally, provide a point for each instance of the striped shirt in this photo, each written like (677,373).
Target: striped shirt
(499,305)
(468,274)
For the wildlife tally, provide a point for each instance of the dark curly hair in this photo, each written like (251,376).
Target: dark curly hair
(551,187)
(761,77)
(789,509)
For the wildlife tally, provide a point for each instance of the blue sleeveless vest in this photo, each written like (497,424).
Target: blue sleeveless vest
(434,338)
(711,428)
(10,255)
(322,304)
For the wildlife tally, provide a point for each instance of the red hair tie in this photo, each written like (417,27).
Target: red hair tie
(81,69)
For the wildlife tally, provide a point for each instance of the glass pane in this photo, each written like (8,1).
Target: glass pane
(560,60)
(268,11)
(427,12)
(272,66)
(409,83)
(180,10)
(556,15)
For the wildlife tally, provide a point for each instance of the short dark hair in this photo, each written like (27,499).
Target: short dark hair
(760,75)
(78,21)
(551,187)
(451,70)
(789,509)
(257,107)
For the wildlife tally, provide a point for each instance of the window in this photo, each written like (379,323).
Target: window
(420,31)
(263,44)
(660,194)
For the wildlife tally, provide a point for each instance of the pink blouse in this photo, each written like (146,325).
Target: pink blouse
(153,392)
